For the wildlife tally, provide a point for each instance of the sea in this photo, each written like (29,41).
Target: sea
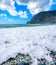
(22,25)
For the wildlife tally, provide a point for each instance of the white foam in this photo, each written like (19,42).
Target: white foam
(31,40)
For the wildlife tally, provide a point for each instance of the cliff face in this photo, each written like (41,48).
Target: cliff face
(46,17)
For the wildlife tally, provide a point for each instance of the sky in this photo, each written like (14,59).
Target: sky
(21,11)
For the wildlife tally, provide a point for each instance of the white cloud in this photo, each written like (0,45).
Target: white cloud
(4,15)
(22,14)
(35,6)
(9,20)
(9,6)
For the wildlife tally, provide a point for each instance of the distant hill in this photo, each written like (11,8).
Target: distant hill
(45,17)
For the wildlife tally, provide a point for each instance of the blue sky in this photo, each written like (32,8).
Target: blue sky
(21,11)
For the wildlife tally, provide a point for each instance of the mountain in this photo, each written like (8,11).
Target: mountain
(45,17)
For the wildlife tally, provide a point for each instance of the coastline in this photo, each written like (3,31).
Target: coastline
(22,25)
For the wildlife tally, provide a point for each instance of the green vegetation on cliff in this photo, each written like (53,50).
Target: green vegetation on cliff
(45,17)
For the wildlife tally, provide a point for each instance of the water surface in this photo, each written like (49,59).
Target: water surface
(22,25)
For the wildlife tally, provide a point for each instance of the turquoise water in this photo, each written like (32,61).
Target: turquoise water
(22,25)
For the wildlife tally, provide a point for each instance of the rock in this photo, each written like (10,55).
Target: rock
(24,63)
(20,59)
(45,17)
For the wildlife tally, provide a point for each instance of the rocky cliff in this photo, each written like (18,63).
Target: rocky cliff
(45,17)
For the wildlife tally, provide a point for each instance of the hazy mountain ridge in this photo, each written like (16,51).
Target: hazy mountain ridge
(45,17)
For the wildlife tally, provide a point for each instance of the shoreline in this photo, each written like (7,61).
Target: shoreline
(23,25)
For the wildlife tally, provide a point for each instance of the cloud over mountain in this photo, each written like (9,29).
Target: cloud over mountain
(34,6)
